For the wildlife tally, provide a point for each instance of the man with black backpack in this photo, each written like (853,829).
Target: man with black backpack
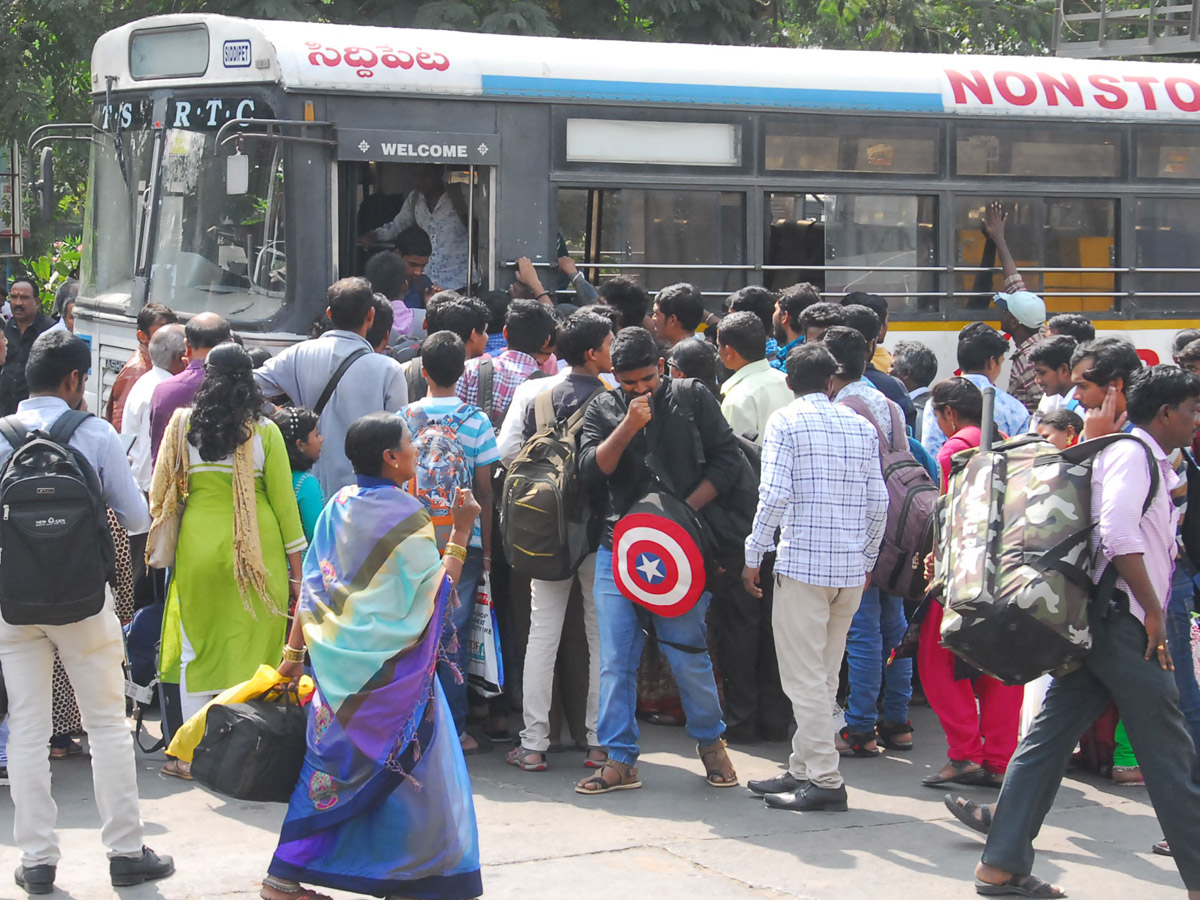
(67,466)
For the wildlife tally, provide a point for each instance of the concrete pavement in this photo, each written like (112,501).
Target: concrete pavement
(675,839)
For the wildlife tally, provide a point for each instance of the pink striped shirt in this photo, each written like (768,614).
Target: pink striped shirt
(1120,483)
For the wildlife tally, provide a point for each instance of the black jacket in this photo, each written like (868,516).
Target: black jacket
(13,388)
(688,451)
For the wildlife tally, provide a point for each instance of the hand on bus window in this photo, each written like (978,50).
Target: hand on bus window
(566,265)
(366,240)
(993,221)
(1104,419)
(528,276)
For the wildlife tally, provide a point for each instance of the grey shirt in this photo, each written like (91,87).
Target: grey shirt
(373,383)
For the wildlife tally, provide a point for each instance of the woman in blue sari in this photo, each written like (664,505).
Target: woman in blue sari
(383,805)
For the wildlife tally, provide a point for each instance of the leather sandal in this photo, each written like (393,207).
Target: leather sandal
(595,784)
(727,777)
(889,731)
(857,743)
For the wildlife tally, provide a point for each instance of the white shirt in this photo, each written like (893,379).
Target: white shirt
(136,422)
(448,264)
(512,431)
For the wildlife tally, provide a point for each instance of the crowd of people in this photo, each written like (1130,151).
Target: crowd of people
(354,485)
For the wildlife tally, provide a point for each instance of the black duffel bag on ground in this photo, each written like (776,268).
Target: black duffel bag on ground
(252,750)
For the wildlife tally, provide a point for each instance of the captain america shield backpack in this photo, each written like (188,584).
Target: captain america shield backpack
(657,562)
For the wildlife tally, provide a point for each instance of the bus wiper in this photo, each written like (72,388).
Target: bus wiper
(118,144)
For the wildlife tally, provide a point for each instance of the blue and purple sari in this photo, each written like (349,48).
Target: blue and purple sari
(384,803)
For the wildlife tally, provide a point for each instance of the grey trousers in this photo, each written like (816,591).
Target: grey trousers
(1149,704)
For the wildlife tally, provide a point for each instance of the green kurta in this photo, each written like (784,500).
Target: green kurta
(228,642)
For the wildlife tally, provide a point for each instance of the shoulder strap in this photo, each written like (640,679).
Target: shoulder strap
(899,429)
(487,371)
(543,410)
(65,425)
(576,419)
(332,384)
(13,431)
(1086,450)
(856,405)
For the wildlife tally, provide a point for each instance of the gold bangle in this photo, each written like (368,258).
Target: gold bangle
(293,654)
(456,551)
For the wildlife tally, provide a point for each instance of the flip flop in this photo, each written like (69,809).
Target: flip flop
(174,769)
(965,813)
(963,774)
(1020,886)
(1162,848)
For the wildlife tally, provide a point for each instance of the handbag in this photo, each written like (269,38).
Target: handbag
(163,537)
(485,665)
(253,750)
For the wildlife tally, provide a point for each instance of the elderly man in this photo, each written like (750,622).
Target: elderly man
(168,349)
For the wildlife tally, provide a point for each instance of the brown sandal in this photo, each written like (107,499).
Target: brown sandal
(720,774)
(595,784)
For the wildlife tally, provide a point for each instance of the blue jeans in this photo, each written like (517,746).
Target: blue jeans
(621,640)
(1179,639)
(455,688)
(875,631)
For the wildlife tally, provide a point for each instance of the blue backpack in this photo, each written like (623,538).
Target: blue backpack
(443,464)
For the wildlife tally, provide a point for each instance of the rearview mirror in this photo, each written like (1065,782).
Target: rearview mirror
(237,174)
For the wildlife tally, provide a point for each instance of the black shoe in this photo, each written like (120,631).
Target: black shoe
(36,879)
(125,871)
(786,783)
(810,799)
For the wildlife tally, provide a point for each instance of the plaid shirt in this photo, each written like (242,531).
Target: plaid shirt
(1020,378)
(510,369)
(822,483)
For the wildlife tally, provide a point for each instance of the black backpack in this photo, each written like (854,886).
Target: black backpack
(56,549)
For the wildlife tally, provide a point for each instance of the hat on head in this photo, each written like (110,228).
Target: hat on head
(1025,306)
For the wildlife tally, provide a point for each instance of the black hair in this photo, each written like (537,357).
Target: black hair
(259,356)
(443,356)
(464,316)
(29,280)
(1111,358)
(634,348)
(529,325)
(1061,419)
(809,368)
(434,304)
(319,326)
(368,437)
(414,241)
(67,293)
(497,303)
(1190,353)
(387,274)
(1053,352)
(821,315)
(227,405)
(682,301)
(978,344)
(744,332)
(582,332)
(1150,389)
(873,302)
(699,360)
(54,356)
(205,337)
(757,300)
(296,423)
(153,314)
(849,348)
(1183,338)
(916,360)
(381,326)
(1073,324)
(863,320)
(628,297)
(796,299)
(349,301)
(962,396)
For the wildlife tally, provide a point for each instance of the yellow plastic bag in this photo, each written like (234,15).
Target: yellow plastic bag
(265,681)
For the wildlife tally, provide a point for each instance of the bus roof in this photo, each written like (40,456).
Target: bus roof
(362,59)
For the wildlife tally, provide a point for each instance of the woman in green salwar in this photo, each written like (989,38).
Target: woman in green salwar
(238,560)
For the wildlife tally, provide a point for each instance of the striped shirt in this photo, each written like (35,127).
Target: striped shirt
(822,483)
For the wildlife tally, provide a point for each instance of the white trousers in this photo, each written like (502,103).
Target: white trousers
(190,702)
(548,611)
(92,652)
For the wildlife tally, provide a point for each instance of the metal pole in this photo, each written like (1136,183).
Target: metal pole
(987,427)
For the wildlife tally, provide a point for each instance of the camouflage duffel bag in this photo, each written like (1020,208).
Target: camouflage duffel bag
(1014,556)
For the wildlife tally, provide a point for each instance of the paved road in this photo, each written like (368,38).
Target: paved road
(676,839)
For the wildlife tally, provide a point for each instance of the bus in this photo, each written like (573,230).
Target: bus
(235,165)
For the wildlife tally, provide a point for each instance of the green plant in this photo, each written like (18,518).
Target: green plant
(52,269)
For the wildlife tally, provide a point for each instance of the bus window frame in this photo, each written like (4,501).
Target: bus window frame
(940,124)
(1065,129)
(165,29)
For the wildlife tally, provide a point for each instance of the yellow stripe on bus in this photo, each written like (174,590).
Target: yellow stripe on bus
(1101,325)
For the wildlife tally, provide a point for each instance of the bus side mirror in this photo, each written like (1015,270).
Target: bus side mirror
(44,186)
(237,174)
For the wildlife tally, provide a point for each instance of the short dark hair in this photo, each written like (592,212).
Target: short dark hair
(1111,357)
(1190,353)
(1150,389)
(978,344)
(1073,324)
(961,395)
(916,360)
(757,300)
(809,368)
(464,316)
(1054,352)
(381,326)
(443,356)
(849,348)
(349,301)
(682,301)
(26,279)
(295,423)
(414,241)
(204,337)
(697,359)
(497,303)
(1183,338)
(435,303)
(634,348)
(529,324)
(387,274)
(154,313)
(583,331)
(369,436)
(744,332)
(821,315)
(863,320)
(54,356)
(1061,419)
(796,299)
(873,302)
(628,297)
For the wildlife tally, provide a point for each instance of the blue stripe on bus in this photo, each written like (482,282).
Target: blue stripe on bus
(569,88)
